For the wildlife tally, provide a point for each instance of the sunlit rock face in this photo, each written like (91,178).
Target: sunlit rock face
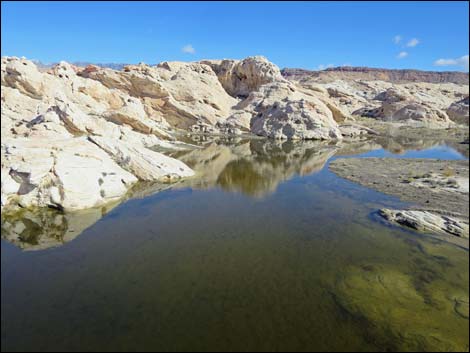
(413,103)
(80,172)
(48,158)
(281,111)
(175,93)
(119,117)
(241,77)
(458,111)
(112,117)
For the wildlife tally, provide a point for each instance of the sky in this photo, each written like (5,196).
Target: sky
(310,35)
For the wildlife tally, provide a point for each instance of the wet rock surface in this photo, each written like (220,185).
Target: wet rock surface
(424,221)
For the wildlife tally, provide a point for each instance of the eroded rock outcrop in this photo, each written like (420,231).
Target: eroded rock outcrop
(399,106)
(47,157)
(117,117)
(67,174)
(283,112)
(175,93)
(241,77)
(405,103)
(458,112)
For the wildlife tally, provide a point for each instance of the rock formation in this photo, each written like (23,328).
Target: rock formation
(78,137)
(425,221)
(71,143)
(240,78)
(458,112)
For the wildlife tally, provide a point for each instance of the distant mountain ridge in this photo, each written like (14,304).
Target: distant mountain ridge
(114,66)
(371,74)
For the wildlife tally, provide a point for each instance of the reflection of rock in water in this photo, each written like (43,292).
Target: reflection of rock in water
(416,312)
(462,147)
(46,228)
(354,147)
(401,144)
(255,167)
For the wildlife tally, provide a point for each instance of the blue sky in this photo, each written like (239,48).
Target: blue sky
(312,35)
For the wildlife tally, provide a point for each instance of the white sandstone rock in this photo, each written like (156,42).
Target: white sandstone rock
(458,111)
(425,221)
(69,174)
(142,162)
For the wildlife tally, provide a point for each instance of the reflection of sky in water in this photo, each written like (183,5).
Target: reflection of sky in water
(438,152)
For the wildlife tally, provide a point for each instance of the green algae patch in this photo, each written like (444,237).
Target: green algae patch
(398,314)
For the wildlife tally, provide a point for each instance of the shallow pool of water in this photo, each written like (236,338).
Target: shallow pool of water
(264,250)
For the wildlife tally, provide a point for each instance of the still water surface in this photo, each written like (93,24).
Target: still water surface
(264,250)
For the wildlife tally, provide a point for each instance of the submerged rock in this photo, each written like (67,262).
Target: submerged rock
(404,311)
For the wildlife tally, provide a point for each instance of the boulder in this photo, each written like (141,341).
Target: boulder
(282,112)
(241,77)
(23,75)
(458,111)
(67,174)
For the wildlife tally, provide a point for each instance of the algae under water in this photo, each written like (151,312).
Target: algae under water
(265,250)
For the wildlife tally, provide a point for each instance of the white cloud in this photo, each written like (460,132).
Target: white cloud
(412,43)
(188,49)
(462,62)
(397,39)
(402,54)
